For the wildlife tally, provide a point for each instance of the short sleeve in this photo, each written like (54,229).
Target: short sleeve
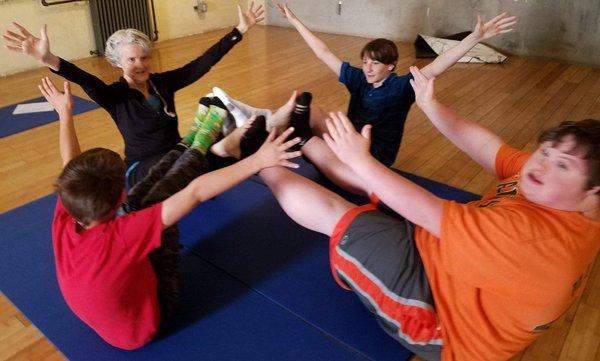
(141,231)
(509,161)
(351,77)
(61,215)
(404,89)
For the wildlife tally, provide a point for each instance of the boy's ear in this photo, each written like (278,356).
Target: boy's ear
(594,191)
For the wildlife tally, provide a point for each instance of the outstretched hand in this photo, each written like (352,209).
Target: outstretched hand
(28,44)
(61,101)
(347,144)
(283,8)
(422,86)
(274,152)
(249,18)
(501,24)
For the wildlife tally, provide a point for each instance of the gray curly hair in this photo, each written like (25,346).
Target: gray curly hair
(112,51)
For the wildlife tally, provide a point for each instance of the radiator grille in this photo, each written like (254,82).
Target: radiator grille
(109,16)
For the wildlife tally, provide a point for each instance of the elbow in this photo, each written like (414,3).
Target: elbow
(322,54)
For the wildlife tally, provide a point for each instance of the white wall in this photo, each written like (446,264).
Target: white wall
(558,29)
(73,38)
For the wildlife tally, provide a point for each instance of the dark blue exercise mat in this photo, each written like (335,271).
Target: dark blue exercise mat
(245,233)
(249,236)
(14,123)
(220,319)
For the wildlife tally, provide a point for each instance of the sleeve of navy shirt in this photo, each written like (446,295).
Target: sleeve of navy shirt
(353,78)
(407,92)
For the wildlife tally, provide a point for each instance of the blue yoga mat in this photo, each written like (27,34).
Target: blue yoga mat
(14,123)
(256,286)
(220,319)
(252,239)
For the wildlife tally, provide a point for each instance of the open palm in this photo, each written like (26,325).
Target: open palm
(500,24)
(249,18)
(422,86)
(27,43)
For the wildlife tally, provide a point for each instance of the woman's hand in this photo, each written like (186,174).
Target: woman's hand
(249,18)
(30,45)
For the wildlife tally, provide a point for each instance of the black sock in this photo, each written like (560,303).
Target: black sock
(300,120)
(254,137)
(218,103)
(215,162)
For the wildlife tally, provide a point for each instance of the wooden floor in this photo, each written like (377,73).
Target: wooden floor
(515,99)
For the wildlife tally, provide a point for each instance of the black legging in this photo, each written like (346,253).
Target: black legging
(173,172)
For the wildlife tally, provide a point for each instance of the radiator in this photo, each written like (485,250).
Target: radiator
(109,16)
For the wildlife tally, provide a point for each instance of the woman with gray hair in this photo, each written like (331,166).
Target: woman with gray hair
(141,103)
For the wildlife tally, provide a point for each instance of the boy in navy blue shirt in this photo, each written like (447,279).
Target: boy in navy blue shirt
(377,95)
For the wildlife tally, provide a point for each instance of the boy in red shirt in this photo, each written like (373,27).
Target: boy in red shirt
(119,274)
(475,281)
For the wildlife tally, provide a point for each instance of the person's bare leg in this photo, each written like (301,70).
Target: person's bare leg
(280,119)
(332,167)
(307,203)
(317,121)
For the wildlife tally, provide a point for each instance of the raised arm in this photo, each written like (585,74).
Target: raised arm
(316,45)
(249,18)
(476,141)
(39,49)
(272,153)
(26,43)
(62,103)
(183,76)
(501,24)
(403,196)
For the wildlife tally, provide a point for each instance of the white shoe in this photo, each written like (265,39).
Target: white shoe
(239,116)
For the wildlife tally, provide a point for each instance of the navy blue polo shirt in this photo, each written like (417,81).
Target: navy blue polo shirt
(385,108)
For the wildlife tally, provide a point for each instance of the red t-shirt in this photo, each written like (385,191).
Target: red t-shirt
(106,277)
(504,268)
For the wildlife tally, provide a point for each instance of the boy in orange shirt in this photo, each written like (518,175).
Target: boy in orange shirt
(475,281)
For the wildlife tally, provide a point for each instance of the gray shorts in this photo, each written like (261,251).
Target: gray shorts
(374,255)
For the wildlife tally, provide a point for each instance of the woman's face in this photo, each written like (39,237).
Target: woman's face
(135,62)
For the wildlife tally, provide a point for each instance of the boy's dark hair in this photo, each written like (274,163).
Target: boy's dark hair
(587,138)
(91,185)
(382,50)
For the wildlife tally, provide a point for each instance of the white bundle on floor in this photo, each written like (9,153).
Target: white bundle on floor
(479,54)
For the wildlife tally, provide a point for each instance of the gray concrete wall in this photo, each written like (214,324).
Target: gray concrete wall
(567,30)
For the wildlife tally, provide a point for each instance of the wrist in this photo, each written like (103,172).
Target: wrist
(472,39)
(254,164)
(363,164)
(64,112)
(427,104)
(242,28)
(51,61)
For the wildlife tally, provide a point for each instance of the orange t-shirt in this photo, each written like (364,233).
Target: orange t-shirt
(504,268)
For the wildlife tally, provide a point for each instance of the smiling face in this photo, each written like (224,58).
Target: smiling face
(375,71)
(379,59)
(556,176)
(135,63)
